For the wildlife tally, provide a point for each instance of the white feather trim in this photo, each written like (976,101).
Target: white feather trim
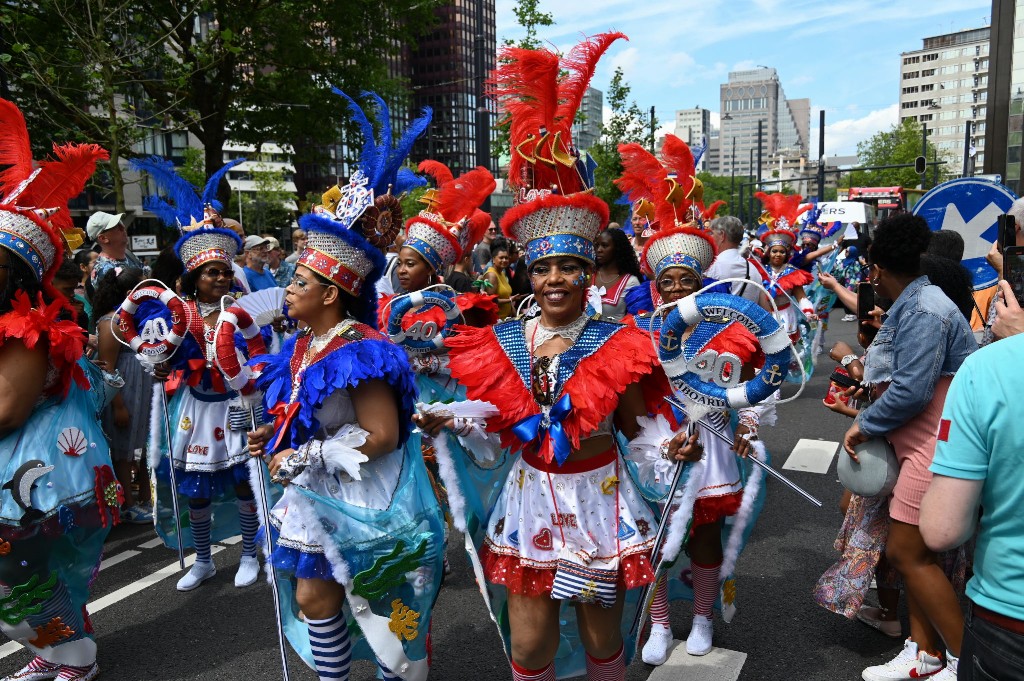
(450,478)
(303,507)
(679,520)
(156,427)
(341,452)
(742,517)
(258,485)
(645,450)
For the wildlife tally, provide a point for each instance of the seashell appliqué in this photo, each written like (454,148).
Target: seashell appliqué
(72,442)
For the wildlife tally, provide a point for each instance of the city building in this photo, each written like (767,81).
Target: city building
(752,96)
(446,71)
(693,126)
(1004,119)
(712,158)
(586,130)
(944,86)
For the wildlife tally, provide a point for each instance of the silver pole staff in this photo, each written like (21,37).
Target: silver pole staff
(174,477)
(265,506)
(768,469)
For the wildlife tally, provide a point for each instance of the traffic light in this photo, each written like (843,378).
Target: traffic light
(920,165)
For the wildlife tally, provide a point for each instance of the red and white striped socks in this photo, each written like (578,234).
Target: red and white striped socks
(545,674)
(705,588)
(611,669)
(659,605)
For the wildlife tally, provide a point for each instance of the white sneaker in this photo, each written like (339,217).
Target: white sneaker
(699,640)
(37,669)
(248,571)
(199,573)
(948,673)
(910,664)
(656,649)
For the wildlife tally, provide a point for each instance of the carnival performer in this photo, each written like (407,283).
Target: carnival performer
(207,418)
(60,495)
(569,526)
(785,283)
(358,522)
(676,259)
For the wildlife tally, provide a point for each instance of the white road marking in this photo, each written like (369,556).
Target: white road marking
(718,665)
(122,593)
(118,558)
(231,541)
(811,456)
(152,543)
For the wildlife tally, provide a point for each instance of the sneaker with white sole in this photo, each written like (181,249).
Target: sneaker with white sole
(37,669)
(873,618)
(69,673)
(136,515)
(948,673)
(910,664)
(699,640)
(248,571)
(655,651)
(199,573)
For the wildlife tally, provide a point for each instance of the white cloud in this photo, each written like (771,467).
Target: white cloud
(841,137)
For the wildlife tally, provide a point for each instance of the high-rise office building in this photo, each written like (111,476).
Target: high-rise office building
(693,126)
(944,86)
(586,130)
(445,70)
(752,96)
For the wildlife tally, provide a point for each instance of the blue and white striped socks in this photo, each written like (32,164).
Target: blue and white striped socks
(250,524)
(199,519)
(332,652)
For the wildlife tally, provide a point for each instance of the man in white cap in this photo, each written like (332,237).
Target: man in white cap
(281,270)
(110,233)
(256,272)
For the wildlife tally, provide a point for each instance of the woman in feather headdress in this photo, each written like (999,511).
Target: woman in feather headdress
(208,420)
(60,493)
(784,282)
(358,523)
(565,540)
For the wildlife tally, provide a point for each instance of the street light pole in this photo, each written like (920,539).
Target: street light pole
(821,156)
(652,130)
(968,130)
(750,198)
(732,173)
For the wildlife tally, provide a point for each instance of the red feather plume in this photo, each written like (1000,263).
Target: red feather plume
(643,176)
(436,170)
(477,225)
(580,64)
(459,198)
(15,148)
(710,212)
(781,206)
(61,180)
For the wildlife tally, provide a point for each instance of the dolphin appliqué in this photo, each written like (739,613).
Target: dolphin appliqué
(22,484)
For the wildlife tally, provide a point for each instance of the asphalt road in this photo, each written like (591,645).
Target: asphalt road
(154,633)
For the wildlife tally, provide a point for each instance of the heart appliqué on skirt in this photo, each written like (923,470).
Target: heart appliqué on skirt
(542,540)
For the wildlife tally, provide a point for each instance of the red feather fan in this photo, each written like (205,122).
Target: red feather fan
(436,170)
(62,180)
(15,149)
(783,206)
(459,198)
(709,212)
(580,64)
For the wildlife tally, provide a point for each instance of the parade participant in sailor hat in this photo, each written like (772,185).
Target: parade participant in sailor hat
(59,493)
(357,535)
(569,526)
(207,420)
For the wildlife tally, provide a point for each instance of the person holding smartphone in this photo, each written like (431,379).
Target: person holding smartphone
(920,345)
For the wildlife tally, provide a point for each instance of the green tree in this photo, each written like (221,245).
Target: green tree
(899,144)
(718,188)
(268,210)
(628,123)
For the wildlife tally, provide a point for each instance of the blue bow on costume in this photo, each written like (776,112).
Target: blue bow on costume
(547,431)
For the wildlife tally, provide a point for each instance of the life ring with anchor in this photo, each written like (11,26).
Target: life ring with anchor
(423,335)
(155,343)
(708,377)
(235,319)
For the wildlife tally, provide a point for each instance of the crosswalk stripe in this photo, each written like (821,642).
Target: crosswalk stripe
(720,664)
(152,543)
(118,558)
(122,593)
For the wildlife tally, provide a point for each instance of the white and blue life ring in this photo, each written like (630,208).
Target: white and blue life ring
(712,379)
(423,336)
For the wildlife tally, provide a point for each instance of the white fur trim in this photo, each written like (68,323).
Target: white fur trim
(679,521)
(446,468)
(739,525)
(303,507)
(645,450)
(156,427)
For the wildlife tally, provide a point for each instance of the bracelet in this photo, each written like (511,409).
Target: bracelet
(664,450)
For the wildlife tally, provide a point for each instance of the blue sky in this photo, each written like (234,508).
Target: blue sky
(843,55)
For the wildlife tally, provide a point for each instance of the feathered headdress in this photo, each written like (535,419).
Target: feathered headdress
(347,234)
(780,216)
(444,231)
(196,215)
(34,221)
(541,91)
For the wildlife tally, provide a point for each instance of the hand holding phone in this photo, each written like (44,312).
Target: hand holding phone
(1007,235)
(1013,271)
(865,300)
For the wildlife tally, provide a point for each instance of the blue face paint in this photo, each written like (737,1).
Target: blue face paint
(580,281)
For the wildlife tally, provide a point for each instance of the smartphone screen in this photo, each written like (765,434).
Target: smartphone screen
(865,300)
(1013,270)
(1007,232)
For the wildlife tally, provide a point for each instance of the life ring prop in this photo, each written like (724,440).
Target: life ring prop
(422,336)
(710,378)
(155,343)
(235,319)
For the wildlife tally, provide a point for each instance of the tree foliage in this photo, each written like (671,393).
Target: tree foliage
(899,144)
(628,123)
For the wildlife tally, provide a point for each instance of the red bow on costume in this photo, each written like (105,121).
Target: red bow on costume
(196,367)
(283,414)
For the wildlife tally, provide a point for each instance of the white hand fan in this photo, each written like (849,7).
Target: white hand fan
(263,306)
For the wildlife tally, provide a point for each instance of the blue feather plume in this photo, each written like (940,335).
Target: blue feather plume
(401,151)
(407,180)
(181,192)
(371,158)
(210,190)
